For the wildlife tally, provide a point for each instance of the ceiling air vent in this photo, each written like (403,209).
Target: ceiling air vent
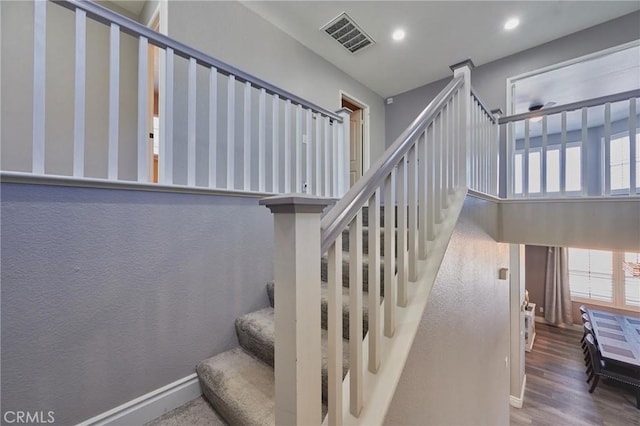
(345,31)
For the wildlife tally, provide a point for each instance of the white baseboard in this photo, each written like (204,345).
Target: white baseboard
(149,406)
(516,402)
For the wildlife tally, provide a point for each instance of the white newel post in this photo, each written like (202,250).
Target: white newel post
(345,148)
(464,69)
(298,385)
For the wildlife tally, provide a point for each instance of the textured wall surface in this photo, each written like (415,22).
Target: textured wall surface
(110,294)
(456,373)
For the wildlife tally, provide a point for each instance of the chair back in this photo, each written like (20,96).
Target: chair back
(594,354)
(588,330)
(583,309)
(585,318)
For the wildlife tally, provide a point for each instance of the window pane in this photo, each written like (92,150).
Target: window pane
(573,168)
(591,274)
(553,170)
(518,174)
(631,268)
(534,172)
(619,162)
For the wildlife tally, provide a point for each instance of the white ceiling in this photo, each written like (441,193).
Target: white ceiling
(439,33)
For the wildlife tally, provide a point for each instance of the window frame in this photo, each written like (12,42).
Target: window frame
(618,287)
(619,135)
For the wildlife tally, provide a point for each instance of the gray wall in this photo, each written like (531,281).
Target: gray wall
(110,294)
(230,32)
(456,373)
(17,93)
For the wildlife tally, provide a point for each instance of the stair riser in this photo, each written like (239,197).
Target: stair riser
(324,314)
(324,273)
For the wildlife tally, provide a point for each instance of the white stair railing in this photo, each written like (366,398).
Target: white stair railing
(279,125)
(413,182)
(483,148)
(587,148)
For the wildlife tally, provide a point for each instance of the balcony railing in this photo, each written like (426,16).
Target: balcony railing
(588,148)
(257,137)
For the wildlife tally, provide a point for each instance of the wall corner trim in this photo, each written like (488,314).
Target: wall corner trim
(515,401)
(151,405)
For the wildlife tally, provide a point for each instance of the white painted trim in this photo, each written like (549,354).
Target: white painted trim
(151,405)
(515,401)
(366,134)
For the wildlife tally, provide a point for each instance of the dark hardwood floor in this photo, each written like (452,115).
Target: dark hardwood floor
(557,392)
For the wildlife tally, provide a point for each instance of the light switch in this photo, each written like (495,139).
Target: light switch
(503,274)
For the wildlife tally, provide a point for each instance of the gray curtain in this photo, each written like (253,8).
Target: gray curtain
(557,299)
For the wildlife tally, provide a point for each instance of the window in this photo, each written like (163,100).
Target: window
(620,160)
(605,277)
(573,169)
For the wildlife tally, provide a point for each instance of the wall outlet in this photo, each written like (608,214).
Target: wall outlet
(305,187)
(541,310)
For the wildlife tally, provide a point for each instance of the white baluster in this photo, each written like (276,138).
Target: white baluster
(374,282)
(389,257)
(401,195)
(246,163)
(563,153)
(262,166)
(275,142)
(309,151)
(319,165)
(511,159)
(327,159)
(430,145)
(39,80)
(143,52)
(422,195)
(438,160)
(633,171)
(79,98)
(287,146)
(231,131)
(444,198)
(114,100)
(166,143)
(213,127)
(298,183)
(413,213)
(585,153)
(191,123)
(355,315)
(543,160)
(334,332)
(525,160)
(335,147)
(607,150)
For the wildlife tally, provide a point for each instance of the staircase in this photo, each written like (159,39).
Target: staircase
(239,383)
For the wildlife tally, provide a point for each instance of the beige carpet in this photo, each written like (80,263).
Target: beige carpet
(194,413)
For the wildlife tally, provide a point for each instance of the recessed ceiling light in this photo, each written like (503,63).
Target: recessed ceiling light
(511,23)
(398,35)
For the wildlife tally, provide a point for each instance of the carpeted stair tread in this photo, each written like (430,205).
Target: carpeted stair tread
(240,387)
(197,412)
(259,329)
(256,334)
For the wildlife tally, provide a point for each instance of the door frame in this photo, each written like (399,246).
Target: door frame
(366,154)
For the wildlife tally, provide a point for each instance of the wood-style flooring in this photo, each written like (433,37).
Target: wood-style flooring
(557,392)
